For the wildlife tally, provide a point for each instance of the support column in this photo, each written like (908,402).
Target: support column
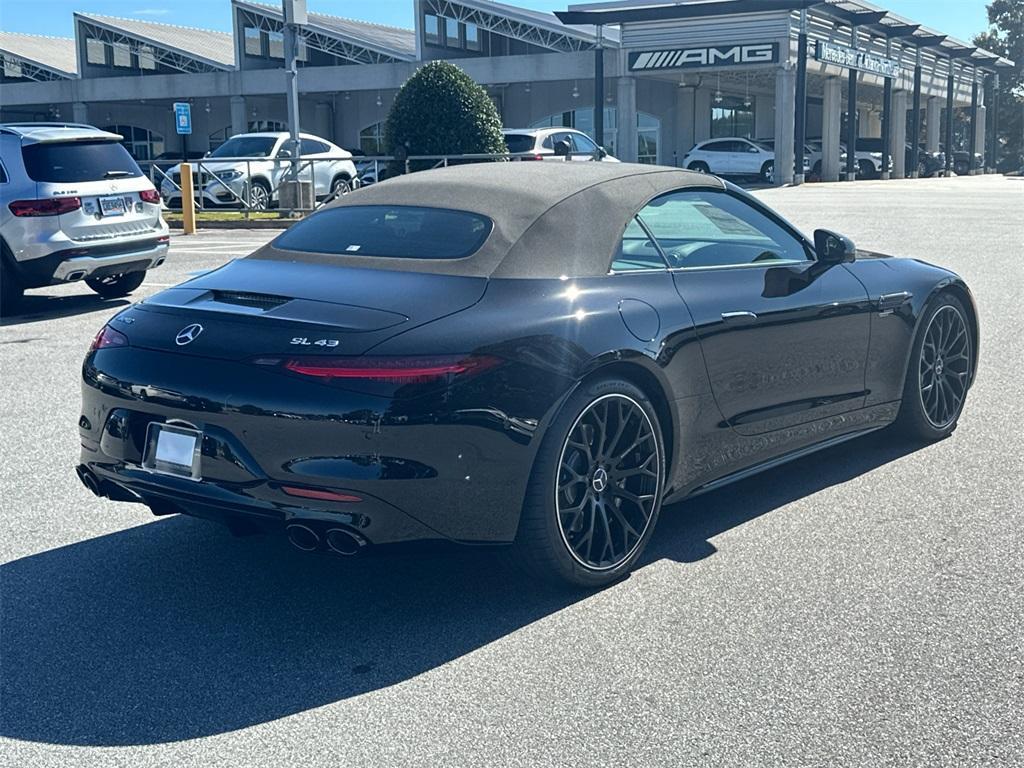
(831,125)
(995,123)
(599,89)
(684,121)
(702,114)
(800,117)
(979,137)
(933,124)
(950,87)
(915,127)
(972,145)
(239,124)
(80,112)
(851,127)
(898,135)
(626,139)
(322,120)
(887,145)
(785,104)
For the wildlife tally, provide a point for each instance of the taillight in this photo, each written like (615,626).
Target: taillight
(533,157)
(392,370)
(108,337)
(150,196)
(51,206)
(321,494)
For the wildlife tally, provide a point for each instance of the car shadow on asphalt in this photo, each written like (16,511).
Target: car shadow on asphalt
(39,307)
(175,630)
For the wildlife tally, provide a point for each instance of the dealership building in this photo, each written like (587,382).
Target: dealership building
(665,74)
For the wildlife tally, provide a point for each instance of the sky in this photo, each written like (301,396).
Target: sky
(959,18)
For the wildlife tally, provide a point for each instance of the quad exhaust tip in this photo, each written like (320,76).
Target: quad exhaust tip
(337,540)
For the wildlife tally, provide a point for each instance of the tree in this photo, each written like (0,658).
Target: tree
(1005,36)
(440,110)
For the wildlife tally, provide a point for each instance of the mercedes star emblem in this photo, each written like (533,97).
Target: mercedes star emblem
(188,334)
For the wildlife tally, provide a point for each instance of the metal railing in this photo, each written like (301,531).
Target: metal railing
(253,184)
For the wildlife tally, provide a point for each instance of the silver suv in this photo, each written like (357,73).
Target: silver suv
(74,205)
(249,167)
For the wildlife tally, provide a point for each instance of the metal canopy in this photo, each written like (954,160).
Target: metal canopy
(687,11)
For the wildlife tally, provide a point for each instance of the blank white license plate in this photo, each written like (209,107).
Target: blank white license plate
(173,450)
(112,206)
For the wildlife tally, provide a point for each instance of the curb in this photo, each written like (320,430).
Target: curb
(241,224)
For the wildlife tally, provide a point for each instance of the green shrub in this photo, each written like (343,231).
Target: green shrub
(441,111)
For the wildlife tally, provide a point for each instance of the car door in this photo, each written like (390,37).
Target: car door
(718,157)
(784,338)
(583,147)
(312,166)
(748,158)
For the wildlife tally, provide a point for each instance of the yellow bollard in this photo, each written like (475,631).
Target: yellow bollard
(188,206)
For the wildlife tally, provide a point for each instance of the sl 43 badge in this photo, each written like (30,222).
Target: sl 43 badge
(304,342)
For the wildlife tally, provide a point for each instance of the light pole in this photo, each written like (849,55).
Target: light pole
(295,14)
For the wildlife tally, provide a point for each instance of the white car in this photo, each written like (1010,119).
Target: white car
(732,156)
(551,143)
(74,205)
(868,164)
(249,167)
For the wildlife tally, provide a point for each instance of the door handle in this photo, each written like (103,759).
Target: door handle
(739,317)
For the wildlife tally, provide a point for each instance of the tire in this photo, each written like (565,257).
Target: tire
(11,289)
(768,172)
(816,170)
(699,167)
(939,372)
(340,186)
(116,286)
(259,196)
(610,500)
(866,169)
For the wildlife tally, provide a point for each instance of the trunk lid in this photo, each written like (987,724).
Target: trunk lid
(253,307)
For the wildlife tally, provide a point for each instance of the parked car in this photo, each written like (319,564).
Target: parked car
(961,160)
(867,163)
(249,167)
(74,205)
(444,357)
(734,156)
(553,144)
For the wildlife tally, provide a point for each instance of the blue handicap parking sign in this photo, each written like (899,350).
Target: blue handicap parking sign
(183,117)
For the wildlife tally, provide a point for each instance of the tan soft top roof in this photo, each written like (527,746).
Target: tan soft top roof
(550,219)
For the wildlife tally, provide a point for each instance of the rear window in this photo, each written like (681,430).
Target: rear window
(397,232)
(78,161)
(519,142)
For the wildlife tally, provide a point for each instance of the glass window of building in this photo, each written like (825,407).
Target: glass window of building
(95,51)
(732,118)
(253,45)
(371,139)
(276,45)
(472,37)
(147,57)
(122,55)
(141,143)
(451,34)
(432,29)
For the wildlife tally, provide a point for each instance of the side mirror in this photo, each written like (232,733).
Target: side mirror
(833,248)
(602,153)
(284,153)
(562,148)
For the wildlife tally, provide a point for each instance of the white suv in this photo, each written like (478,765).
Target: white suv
(74,205)
(733,156)
(553,144)
(248,168)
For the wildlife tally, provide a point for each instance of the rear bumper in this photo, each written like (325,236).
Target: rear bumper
(92,261)
(422,470)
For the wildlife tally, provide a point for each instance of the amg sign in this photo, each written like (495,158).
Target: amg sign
(709,56)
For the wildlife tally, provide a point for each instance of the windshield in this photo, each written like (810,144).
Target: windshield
(399,232)
(769,145)
(77,161)
(246,146)
(519,142)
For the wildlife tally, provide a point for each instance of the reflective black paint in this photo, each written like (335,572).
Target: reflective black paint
(821,359)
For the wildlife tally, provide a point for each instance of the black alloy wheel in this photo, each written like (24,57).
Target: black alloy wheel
(939,373)
(700,167)
(944,367)
(596,492)
(608,478)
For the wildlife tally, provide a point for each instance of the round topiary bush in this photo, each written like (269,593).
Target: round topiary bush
(441,111)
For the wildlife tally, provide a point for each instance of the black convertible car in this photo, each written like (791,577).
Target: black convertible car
(532,354)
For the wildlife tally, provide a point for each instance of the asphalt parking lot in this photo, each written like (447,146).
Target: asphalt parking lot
(862,607)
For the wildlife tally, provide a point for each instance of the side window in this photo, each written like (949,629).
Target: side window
(311,147)
(637,251)
(3,174)
(715,146)
(700,228)
(582,143)
(554,138)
